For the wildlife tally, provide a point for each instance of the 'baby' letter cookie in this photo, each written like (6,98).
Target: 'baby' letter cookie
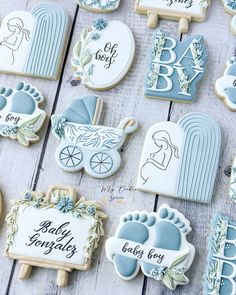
(20,115)
(225,86)
(86,145)
(154,242)
(184,11)
(175,68)
(99,5)
(53,231)
(104,54)
(181,159)
(33,43)
(221,269)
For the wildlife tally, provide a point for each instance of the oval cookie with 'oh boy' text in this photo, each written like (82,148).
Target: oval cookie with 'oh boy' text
(104,54)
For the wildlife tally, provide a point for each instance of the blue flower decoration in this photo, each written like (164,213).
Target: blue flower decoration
(91,210)
(95,36)
(65,204)
(28,197)
(157,273)
(100,24)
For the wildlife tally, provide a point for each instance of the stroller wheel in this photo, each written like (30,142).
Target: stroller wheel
(101,163)
(70,156)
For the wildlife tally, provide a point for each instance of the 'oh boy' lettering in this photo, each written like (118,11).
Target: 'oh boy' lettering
(108,54)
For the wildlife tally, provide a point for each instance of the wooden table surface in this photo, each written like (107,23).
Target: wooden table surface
(34,168)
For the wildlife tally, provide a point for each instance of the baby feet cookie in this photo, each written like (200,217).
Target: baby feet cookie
(86,145)
(221,269)
(175,68)
(33,43)
(20,115)
(104,54)
(53,231)
(170,164)
(154,242)
(225,87)
(99,5)
(183,11)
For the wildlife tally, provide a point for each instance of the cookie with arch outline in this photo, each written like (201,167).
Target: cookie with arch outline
(225,87)
(20,114)
(170,164)
(104,54)
(54,231)
(99,5)
(33,43)
(154,242)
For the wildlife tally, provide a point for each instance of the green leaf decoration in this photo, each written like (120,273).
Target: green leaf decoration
(84,34)
(179,278)
(21,138)
(87,59)
(29,134)
(167,280)
(78,49)
(30,122)
(179,260)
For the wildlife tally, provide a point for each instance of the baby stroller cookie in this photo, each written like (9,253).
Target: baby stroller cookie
(86,145)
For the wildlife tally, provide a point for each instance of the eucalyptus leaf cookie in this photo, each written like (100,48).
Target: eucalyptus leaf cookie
(155,243)
(225,87)
(99,5)
(86,145)
(33,43)
(182,11)
(53,231)
(175,68)
(104,54)
(20,115)
(170,164)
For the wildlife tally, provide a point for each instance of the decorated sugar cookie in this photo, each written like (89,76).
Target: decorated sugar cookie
(232,191)
(221,269)
(20,115)
(86,145)
(33,43)
(99,5)
(225,86)
(104,54)
(175,68)
(154,242)
(230,7)
(53,231)
(170,164)
(184,11)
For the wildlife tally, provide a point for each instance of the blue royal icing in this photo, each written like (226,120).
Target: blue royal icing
(100,5)
(175,68)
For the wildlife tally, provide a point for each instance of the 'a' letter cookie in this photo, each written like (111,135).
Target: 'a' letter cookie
(184,11)
(225,87)
(53,231)
(104,54)
(99,5)
(181,159)
(175,68)
(86,145)
(33,43)
(154,242)
(221,269)
(20,115)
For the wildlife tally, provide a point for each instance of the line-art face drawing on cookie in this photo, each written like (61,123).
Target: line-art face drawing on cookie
(186,175)
(104,54)
(225,87)
(86,145)
(154,242)
(54,231)
(221,270)
(161,157)
(175,68)
(99,5)
(20,115)
(33,43)
(184,11)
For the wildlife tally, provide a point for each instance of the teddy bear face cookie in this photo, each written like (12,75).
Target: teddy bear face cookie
(33,43)
(175,68)
(170,163)
(104,54)
(155,243)
(20,115)
(99,5)
(53,231)
(225,87)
